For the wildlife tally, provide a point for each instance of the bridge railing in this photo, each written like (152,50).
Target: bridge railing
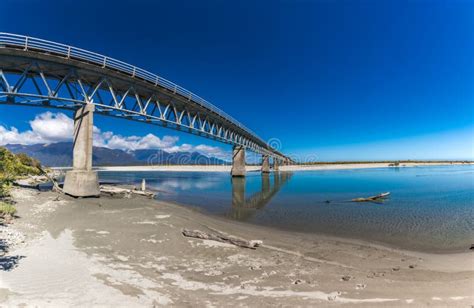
(36,44)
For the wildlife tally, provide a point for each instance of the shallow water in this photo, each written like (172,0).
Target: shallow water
(429,209)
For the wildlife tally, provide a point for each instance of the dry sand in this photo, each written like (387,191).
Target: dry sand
(130,253)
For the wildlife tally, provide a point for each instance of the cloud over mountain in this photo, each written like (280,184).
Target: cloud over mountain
(49,127)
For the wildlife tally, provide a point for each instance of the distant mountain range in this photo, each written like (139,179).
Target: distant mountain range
(60,155)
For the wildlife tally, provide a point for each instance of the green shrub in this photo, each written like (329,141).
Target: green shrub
(7,209)
(13,166)
(4,189)
(8,162)
(28,161)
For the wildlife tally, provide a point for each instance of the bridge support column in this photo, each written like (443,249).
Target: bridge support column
(238,161)
(265,164)
(276,165)
(81,181)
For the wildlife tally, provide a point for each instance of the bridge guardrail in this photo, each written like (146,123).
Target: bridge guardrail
(36,44)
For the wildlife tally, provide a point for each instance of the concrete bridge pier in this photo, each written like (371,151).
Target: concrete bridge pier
(81,181)
(276,165)
(238,161)
(265,164)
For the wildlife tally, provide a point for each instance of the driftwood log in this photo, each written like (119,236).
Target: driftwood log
(145,193)
(115,191)
(124,192)
(372,198)
(56,187)
(219,237)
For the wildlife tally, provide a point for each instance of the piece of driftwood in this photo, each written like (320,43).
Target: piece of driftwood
(115,191)
(56,187)
(372,198)
(148,194)
(219,237)
(27,183)
(32,181)
(124,192)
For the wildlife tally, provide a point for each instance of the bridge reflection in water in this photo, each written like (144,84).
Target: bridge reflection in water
(245,208)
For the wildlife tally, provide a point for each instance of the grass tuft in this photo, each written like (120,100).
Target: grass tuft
(7,209)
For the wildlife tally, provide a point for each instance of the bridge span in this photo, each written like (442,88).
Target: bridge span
(36,72)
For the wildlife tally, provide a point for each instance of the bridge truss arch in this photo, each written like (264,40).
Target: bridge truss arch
(35,72)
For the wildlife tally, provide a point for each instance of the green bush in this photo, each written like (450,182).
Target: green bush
(28,161)
(8,162)
(7,209)
(4,189)
(13,166)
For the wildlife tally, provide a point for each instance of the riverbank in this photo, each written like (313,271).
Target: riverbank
(226,168)
(130,252)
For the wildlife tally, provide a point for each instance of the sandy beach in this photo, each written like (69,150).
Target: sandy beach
(237,154)
(227,168)
(131,252)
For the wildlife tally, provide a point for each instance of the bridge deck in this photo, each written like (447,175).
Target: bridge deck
(28,57)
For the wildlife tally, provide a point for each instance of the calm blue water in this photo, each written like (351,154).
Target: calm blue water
(430,208)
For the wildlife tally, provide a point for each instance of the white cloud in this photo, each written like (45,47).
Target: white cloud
(180,148)
(51,127)
(45,128)
(14,136)
(208,149)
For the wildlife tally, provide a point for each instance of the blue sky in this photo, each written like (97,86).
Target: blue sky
(332,80)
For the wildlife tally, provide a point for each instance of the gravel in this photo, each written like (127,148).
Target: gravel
(9,238)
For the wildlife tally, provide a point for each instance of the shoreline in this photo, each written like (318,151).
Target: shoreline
(367,240)
(251,168)
(462,253)
(460,249)
(132,252)
(451,254)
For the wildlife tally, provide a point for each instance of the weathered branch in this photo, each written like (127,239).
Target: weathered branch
(219,237)
(372,198)
(124,192)
(56,187)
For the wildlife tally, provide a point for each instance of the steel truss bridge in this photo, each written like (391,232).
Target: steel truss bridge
(36,72)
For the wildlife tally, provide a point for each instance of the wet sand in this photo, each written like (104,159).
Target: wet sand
(130,252)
